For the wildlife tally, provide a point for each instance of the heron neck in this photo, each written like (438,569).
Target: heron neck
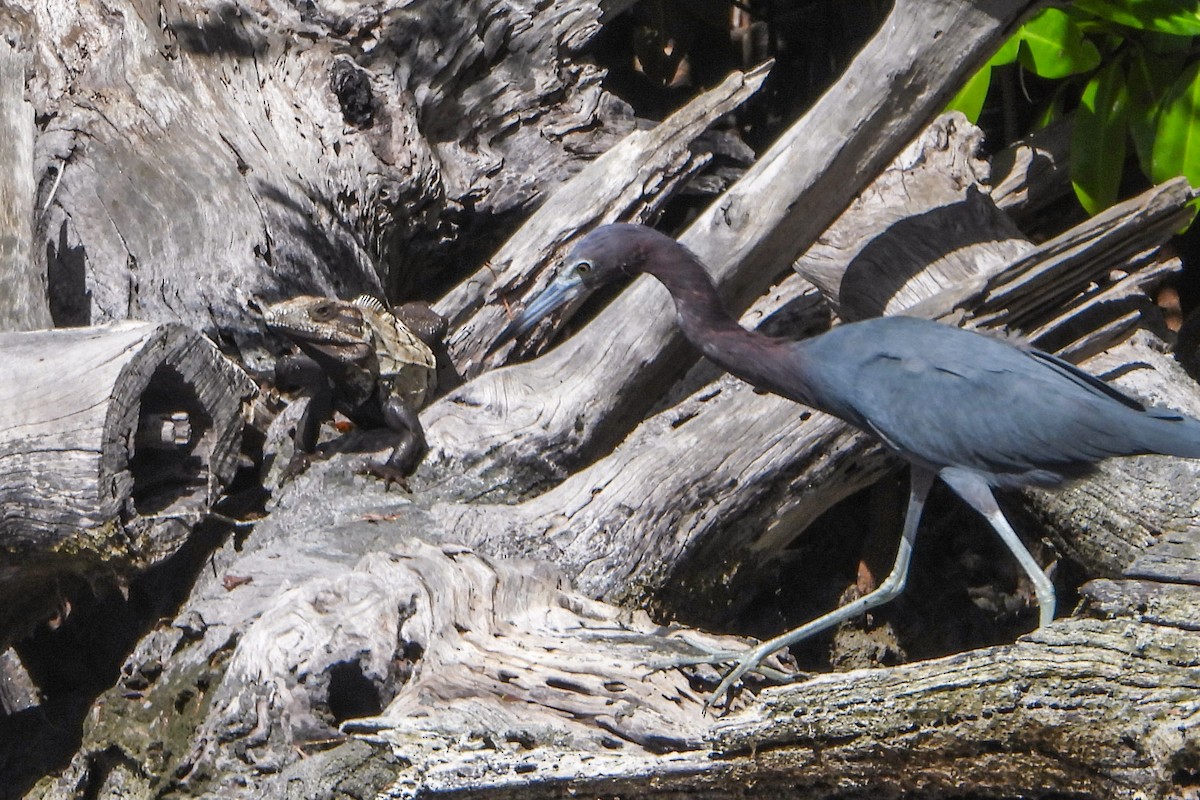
(709,327)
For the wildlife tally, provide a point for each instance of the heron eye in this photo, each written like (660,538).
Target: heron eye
(583,268)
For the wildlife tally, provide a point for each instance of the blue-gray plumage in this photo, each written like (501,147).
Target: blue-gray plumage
(975,411)
(943,397)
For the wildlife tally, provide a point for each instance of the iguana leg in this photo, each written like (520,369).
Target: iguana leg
(300,371)
(410,448)
(427,324)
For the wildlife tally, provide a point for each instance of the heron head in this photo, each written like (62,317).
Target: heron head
(605,255)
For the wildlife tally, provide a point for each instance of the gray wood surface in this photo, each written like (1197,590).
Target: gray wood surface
(899,82)
(23,303)
(629,183)
(268,151)
(485,633)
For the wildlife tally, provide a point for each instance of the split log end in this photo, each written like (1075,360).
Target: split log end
(112,440)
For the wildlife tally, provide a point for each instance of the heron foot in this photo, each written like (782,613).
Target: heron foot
(749,660)
(744,661)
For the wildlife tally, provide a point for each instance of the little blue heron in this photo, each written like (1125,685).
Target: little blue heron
(975,411)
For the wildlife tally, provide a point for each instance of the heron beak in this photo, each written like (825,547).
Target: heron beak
(562,290)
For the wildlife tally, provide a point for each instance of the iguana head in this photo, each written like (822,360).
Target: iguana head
(332,328)
(318,319)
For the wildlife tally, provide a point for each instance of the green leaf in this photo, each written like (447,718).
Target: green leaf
(1008,51)
(1177,137)
(1178,17)
(1098,139)
(970,97)
(1053,46)
(1149,77)
(1053,111)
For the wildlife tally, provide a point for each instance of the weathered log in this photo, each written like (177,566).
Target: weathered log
(601,538)
(629,182)
(633,350)
(113,441)
(383,147)
(1119,694)
(877,258)
(1090,708)
(923,227)
(23,301)
(291,636)
(479,677)
(623,526)
(333,644)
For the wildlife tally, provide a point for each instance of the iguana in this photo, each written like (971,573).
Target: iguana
(359,358)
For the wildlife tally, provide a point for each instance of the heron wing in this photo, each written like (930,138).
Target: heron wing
(945,397)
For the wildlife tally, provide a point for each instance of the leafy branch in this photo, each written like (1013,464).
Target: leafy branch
(1130,69)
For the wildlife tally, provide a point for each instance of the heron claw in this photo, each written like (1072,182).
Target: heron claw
(725,689)
(744,661)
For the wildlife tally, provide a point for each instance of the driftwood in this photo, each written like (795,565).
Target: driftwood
(611,528)
(474,676)
(597,722)
(22,304)
(629,182)
(114,441)
(352,645)
(338,151)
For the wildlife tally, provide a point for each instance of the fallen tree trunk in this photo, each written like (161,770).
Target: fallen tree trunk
(472,676)
(290,150)
(665,496)
(633,351)
(629,182)
(113,442)
(303,639)
(23,302)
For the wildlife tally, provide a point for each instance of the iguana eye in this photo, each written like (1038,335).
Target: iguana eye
(323,312)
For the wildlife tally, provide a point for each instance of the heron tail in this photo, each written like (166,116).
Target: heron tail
(1171,433)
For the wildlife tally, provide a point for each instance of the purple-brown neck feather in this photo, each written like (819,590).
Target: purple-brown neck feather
(753,357)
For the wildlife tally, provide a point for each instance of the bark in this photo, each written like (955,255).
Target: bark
(629,182)
(897,84)
(203,156)
(307,640)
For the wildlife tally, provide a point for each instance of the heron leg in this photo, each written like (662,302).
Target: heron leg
(892,586)
(978,495)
